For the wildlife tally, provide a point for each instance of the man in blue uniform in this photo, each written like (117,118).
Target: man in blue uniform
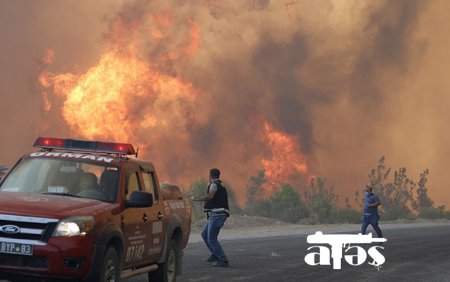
(216,208)
(371,216)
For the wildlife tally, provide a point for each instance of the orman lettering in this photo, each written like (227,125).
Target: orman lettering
(70,155)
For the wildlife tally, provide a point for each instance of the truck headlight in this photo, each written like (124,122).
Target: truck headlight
(74,226)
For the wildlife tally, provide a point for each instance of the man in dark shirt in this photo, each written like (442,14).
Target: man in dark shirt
(371,216)
(216,207)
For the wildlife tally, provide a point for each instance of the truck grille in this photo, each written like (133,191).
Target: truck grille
(26,229)
(23,261)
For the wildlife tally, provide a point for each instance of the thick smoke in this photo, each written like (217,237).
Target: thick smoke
(349,81)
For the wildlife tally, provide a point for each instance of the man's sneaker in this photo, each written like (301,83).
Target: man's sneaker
(220,263)
(212,258)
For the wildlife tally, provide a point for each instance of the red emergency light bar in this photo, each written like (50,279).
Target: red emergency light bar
(80,145)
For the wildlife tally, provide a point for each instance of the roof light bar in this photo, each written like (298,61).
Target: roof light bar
(80,145)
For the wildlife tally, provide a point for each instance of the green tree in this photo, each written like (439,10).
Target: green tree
(320,200)
(423,204)
(396,196)
(286,204)
(423,201)
(378,179)
(401,193)
(255,204)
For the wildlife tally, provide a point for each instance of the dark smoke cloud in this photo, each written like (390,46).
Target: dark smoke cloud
(387,50)
(277,65)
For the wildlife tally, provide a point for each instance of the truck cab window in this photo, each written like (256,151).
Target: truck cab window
(149,185)
(133,184)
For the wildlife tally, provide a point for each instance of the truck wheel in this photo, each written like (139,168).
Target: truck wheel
(166,271)
(110,266)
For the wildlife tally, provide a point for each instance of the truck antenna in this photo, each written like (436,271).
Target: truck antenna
(137,152)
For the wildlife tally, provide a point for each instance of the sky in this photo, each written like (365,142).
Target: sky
(299,89)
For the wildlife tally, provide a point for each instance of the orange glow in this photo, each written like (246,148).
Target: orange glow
(286,162)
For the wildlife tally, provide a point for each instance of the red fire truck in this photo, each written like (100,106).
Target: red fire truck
(89,211)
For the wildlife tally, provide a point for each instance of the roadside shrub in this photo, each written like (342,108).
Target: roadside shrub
(396,212)
(255,203)
(261,208)
(286,205)
(320,200)
(197,189)
(433,212)
(346,215)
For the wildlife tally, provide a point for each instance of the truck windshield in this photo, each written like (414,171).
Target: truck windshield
(63,177)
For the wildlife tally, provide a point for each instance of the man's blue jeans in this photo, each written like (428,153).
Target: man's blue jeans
(371,219)
(210,233)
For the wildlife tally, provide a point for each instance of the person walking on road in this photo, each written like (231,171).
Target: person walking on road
(216,208)
(370,209)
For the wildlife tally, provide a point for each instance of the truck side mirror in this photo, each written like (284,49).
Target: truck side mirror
(139,199)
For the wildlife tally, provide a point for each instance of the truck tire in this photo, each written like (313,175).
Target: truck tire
(166,271)
(110,271)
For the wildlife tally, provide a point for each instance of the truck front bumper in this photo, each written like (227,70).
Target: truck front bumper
(61,258)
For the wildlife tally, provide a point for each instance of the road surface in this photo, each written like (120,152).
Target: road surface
(413,253)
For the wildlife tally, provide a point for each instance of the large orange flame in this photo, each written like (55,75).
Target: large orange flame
(104,102)
(286,163)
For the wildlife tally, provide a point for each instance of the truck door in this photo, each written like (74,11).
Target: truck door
(136,223)
(155,213)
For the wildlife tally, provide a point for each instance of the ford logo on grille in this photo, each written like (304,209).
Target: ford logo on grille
(10,229)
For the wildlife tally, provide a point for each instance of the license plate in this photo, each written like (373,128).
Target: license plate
(15,248)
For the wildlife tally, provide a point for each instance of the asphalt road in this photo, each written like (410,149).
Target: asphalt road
(412,253)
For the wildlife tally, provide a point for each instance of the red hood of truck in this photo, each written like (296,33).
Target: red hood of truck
(51,206)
